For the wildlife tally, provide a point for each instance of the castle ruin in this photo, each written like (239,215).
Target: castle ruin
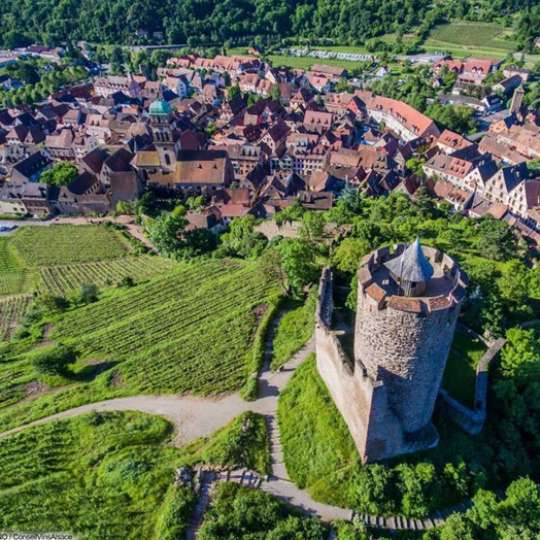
(408,304)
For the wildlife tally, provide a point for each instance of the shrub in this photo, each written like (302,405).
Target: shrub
(88,294)
(53,360)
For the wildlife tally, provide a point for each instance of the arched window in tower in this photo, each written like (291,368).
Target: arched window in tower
(167,159)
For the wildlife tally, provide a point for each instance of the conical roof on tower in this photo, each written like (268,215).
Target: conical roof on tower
(412,265)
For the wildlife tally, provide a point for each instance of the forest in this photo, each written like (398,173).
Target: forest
(206,22)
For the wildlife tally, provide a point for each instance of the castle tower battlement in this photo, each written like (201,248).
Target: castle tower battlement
(409,299)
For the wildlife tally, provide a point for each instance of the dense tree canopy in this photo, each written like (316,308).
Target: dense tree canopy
(210,21)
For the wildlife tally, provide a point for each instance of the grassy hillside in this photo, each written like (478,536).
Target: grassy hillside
(321,456)
(111,475)
(242,513)
(33,248)
(190,330)
(12,309)
(98,476)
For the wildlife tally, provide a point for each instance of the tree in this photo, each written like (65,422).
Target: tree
(52,303)
(298,262)
(53,360)
(276,93)
(455,117)
(457,527)
(195,203)
(166,231)
(88,294)
(513,285)
(312,227)
(349,253)
(60,174)
(290,214)
(520,357)
(241,240)
(234,92)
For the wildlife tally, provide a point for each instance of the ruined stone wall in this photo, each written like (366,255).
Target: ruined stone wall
(362,402)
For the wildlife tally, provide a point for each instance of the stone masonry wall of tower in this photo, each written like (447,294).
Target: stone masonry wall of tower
(405,341)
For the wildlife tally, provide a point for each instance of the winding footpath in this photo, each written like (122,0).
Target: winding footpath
(194,417)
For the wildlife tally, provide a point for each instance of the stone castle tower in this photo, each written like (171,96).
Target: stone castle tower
(408,303)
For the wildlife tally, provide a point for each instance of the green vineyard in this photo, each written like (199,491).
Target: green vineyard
(63,279)
(12,309)
(14,278)
(190,330)
(65,244)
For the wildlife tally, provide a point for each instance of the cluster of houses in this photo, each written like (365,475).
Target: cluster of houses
(288,137)
(474,88)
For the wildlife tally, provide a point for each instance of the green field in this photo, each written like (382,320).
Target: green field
(305,62)
(65,244)
(474,34)
(111,475)
(66,278)
(14,277)
(463,38)
(190,330)
(460,373)
(294,330)
(250,514)
(98,476)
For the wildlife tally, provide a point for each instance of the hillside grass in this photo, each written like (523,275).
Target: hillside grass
(460,373)
(474,34)
(15,278)
(462,38)
(238,512)
(191,330)
(111,475)
(65,244)
(98,476)
(321,457)
(294,329)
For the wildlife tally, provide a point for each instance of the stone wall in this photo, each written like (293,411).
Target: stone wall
(472,420)
(362,401)
(387,392)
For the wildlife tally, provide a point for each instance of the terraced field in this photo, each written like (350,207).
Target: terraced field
(65,244)
(47,471)
(12,309)
(463,38)
(188,330)
(66,278)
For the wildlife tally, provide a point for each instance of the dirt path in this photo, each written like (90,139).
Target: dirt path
(192,417)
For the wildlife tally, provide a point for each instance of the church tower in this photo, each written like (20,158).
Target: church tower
(163,132)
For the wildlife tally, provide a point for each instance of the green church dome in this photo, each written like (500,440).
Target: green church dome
(160,107)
